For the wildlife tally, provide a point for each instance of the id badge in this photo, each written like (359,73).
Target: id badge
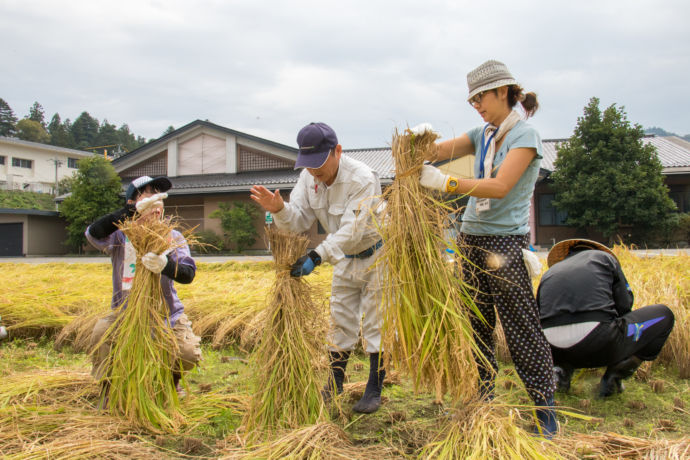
(483,204)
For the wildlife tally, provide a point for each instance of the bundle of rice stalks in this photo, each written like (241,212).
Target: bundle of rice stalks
(44,387)
(144,349)
(483,430)
(88,449)
(663,279)
(39,299)
(77,333)
(287,387)
(315,442)
(226,303)
(426,324)
(613,445)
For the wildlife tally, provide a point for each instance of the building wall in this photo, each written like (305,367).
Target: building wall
(40,176)
(203,154)
(46,236)
(195,211)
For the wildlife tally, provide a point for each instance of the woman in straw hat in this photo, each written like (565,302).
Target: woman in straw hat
(585,304)
(495,229)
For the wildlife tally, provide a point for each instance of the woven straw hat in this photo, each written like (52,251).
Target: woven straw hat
(562,248)
(492,74)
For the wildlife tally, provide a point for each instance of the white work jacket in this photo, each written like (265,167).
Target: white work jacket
(344,209)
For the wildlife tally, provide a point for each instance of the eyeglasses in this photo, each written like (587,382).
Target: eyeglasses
(477,98)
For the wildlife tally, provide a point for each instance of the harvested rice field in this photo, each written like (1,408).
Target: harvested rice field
(49,401)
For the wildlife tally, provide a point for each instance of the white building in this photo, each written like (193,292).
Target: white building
(35,167)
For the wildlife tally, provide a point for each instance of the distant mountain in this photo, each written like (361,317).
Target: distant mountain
(663,132)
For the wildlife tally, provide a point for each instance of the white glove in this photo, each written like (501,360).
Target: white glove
(154,262)
(149,204)
(433,178)
(421,128)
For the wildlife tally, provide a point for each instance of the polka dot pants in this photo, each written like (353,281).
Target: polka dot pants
(496,269)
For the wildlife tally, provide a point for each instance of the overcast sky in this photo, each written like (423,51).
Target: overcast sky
(267,68)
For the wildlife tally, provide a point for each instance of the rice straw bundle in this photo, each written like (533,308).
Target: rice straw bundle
(287,387)
(483,430)
(666,280)
(315,442)
(144,348)
(426,323)
(613,445)
(41,387)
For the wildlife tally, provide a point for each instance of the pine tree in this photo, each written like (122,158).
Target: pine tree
(37,114)
(8,121)
(59,133)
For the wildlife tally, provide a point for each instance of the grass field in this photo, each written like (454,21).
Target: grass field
(48,400)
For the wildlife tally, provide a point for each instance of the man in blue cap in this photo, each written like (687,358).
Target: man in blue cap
(340,193)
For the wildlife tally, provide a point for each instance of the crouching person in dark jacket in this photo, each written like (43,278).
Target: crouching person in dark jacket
(585,306)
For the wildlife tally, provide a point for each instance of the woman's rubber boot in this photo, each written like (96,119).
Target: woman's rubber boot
(334,386)
(561,377)
(611,382)
(547,426)
(371,400)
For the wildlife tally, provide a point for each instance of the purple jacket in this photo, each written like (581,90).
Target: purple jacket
(114,246)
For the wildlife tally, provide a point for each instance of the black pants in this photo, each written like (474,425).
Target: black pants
(640,333)
(494,265)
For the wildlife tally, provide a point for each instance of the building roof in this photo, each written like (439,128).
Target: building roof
(28,212)
(196,123)
(38,145)
(673,151)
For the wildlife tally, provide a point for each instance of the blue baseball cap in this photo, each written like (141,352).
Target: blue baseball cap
(315,142)
(161,183)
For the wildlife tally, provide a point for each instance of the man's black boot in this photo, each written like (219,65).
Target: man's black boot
(611,382)
(371,400)
(335,381)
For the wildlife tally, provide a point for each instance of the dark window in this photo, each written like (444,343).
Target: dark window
(72,163)
(548,214)
(2,160)
(22,163)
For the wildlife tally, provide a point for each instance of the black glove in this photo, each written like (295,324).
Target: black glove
(305,264)
(107,224)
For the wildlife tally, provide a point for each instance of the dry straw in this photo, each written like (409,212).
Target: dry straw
(315,442)
(426,306)
(482,430)
(286,361)
(144,349)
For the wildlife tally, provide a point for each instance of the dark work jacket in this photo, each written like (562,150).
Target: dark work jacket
(587,285)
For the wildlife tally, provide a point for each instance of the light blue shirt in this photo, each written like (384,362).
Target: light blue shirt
(508,215)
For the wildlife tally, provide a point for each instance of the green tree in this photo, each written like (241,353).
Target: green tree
(606,178)
(95,192)
(60,133)
(169,130)
(37,114)
(85,131)
(237,221)
(8,121)
(108,136)
(30,130)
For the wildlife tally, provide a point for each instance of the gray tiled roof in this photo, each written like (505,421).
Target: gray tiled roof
(673,151)
(379,159)
(39,145)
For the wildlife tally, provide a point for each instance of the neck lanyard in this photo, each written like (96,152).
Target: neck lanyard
(485,148)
